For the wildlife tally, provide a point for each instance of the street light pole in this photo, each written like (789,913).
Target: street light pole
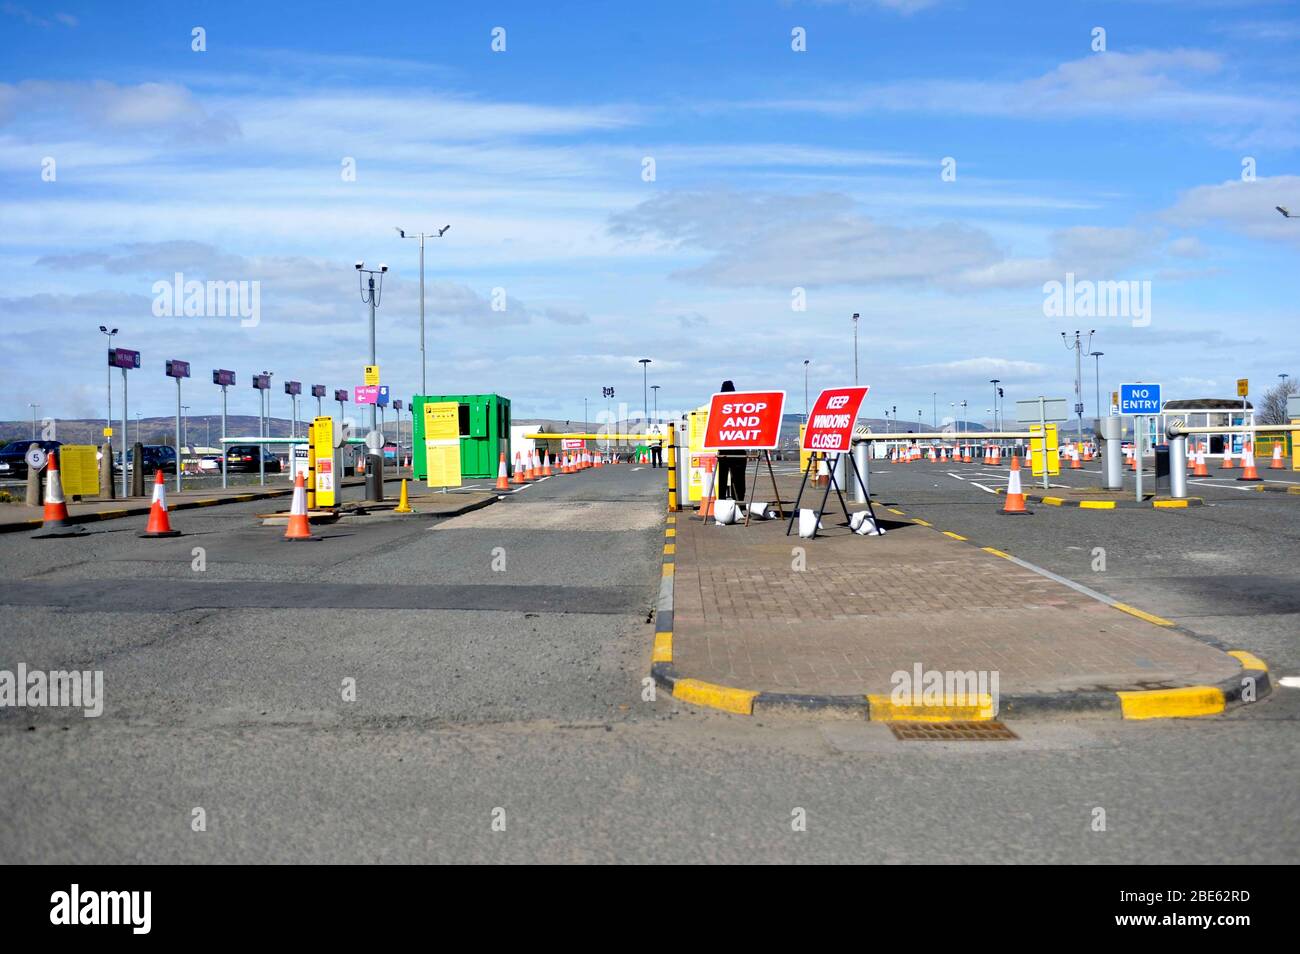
(645,391)
(1077,348)
(805,390)
(994,382)
(655,389)
(371,296)
(1096,355)
(108,419)
(855,349)
(424,384)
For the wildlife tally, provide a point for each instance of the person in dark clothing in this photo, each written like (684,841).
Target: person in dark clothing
(656,454)
(731,467)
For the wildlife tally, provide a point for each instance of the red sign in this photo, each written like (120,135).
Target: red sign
(744,420)
(831,420)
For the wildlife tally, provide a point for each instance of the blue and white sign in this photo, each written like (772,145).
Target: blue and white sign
(1139,399)
(382,399)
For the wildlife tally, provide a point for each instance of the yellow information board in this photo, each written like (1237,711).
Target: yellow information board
(79,470)
(372,374)
(1036,451)
(442,443)
(321,455)
(1243,387)
(699,463)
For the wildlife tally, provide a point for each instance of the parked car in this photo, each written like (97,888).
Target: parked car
(243,457)
(210,464)
(13,457)
(156,457)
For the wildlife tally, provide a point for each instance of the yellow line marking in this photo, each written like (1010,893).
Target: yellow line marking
(670,548)
(884,709)
(669,568)
(206,503)
(672,519)
(1248,660)
(1170,504)
(739,701)
(1171,703)
(1005,556)
(924,523)
(1150,618)
(1053,501)
(892,510)
(955,536)
(663,650)
(670,532)
(1096,505)
(111,513)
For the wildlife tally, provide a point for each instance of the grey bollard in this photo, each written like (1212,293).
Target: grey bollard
(375,477)
(841,468)
(107,489)
(861,457)
(137,469)
(1178,466)
(35,486)
(1111,430)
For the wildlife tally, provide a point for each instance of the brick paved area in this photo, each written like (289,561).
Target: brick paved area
(866,607)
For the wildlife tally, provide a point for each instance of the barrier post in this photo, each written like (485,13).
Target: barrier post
(673,505)
(1178,466)
(862,480)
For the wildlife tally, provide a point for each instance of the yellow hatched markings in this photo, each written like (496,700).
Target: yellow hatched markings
(1005,556)
(955,536)
(670,532)
(923,523)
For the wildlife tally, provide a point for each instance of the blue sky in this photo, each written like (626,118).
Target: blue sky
(774,170)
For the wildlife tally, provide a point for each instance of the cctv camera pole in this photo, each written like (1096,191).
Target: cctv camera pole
(371,295)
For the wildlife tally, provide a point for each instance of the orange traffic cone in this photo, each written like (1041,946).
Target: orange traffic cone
(1015,503)
(1198,468)
(1074,458)
(997,456)
(503,482)
(988,455)
(159,525)
(966,456)
(597,461)
(707,499)
(530,467)
(298,528)
(546,463)
(56,522)
(1226,463)
(1276,462)
(1248,471)
(518,476)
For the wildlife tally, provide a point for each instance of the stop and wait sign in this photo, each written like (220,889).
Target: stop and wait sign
(831,420)
(744,420)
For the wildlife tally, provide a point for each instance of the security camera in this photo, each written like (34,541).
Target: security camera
(360,265)
(383,267)
(400,233)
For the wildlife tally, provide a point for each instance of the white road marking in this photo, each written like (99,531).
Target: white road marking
(987,490)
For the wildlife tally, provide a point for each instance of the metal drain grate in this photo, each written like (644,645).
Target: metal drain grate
(951,732)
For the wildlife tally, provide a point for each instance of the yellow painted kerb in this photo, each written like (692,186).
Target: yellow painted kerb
(670,548)
(1096,504)
(670,532)
(739,701)
(884,709)
(663,649)
(1248,660)
(669,569)
(955,536)
(1005,556)
(1171,703)
(1149,617)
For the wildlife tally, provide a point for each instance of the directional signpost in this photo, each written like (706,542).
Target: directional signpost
(177,370)
(1039,413)
(1142,401)
(126,360)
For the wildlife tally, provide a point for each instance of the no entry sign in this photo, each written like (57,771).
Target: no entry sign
(744,420)
(831,420)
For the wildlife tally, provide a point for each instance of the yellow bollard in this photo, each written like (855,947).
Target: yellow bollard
(403,505)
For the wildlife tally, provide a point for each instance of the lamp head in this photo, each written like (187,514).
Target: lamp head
(360,265)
